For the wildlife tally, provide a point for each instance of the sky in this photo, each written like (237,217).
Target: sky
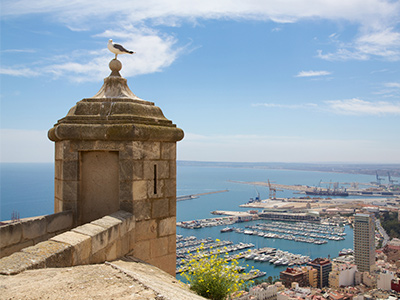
(248,81)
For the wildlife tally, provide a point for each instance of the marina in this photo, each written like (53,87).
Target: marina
(203,248)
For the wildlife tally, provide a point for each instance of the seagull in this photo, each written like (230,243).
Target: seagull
(117,49)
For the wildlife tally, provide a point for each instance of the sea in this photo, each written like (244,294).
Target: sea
(27,190)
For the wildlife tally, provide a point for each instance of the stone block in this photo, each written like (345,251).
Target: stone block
(59,221)
(172,244)
(113,251)
(70,170)
(169,188)
(142,250)
(172,207)
(98,257)
(64,150)
(142,209)
(139,189)
(168,151)
(19,262)
(167,227)
(136,149)
(58,169)
(81,245)
(166,263)
(160,189)
(70,191)
(145,230)
(160,208)
(162,169)
(98,234)
(159,247)
(132,239)
(69,206)
(125,191)
(151,150)
(127,219)
(10,234)
(172,169)
(14,248)
(112,225)
(126,170)
(54,254)
(131,170)
(125,243)
(126,206)
(34,228)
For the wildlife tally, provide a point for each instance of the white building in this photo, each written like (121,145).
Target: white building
(342,275)
(384,280)
(264,292)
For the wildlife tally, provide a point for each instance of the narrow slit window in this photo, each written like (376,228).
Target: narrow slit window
(155,179)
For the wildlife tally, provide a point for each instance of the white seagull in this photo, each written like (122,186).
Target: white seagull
(117,49)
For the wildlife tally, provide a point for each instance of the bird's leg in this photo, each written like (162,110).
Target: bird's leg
(116,56)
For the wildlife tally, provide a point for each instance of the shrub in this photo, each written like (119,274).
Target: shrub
(210,274)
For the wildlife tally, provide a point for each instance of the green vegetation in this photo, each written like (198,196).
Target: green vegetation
(390,223)
(212,276)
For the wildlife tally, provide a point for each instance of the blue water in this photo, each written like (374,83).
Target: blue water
(28,189)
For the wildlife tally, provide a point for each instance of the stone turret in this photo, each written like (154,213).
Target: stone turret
(116,151)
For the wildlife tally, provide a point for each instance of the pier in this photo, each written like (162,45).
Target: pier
(195,196)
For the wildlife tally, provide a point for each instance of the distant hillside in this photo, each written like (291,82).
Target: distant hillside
(368,169)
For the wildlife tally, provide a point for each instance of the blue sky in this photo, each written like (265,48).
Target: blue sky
(258,81)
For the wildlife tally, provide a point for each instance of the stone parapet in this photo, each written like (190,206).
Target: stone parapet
(15,236)
(102,240)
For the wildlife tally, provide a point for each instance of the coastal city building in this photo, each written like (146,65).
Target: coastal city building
(384,280)
(323,267)
(291,275)
(311,275)
(342,275)
(364,242)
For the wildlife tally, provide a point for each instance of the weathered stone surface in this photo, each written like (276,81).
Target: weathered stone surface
(81,244)
(20,261)
(118,280)
(167,226)
(168,151)
(59,221)
(34,228)
(160,208)
(55,254)
(142,209)
(98,234)
(112,225)
(139,190)
(10,234)
(128,220)
(14,248)
(167,263)
(159,247)
(141,250)
(146,230)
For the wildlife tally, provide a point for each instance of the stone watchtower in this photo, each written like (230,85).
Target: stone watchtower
(113,152)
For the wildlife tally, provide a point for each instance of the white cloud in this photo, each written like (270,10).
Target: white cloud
(383,43)
(360,107)
(25,146)
(393,84)
(24,72)
(313,73)
(154,52)
(286,106)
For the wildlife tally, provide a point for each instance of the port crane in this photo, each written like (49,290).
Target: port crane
(272,191)
(391,181)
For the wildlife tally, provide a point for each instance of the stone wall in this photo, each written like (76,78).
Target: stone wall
(105,239)
(28,232)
